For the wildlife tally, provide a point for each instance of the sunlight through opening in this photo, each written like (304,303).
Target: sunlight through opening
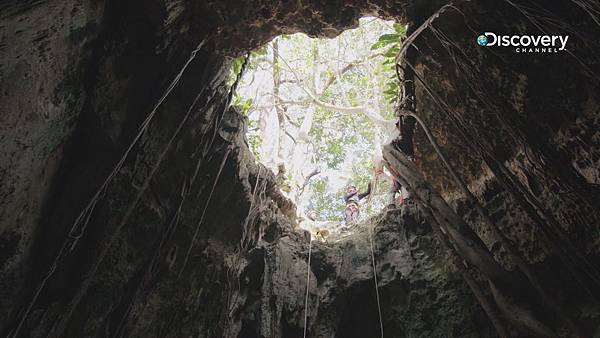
(319,112)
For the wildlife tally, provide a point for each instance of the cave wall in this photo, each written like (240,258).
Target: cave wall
(42,71)
(519,108)
(420,294)
(79,78)
(514,111)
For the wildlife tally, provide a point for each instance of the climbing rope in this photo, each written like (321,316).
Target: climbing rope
(307,285)
(371,229)
(375,280)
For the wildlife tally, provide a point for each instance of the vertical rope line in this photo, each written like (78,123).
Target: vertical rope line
(307,285)
(375,280)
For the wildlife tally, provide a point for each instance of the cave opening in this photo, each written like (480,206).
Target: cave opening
(129,198)
(319,111)
(359,323)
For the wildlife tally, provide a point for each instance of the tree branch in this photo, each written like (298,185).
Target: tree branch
(290,136)
(307,180)
(345,109)
(347,68)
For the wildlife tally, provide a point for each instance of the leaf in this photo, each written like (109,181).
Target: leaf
(400,29)
(385,40)
(389,37)
(247,105)
(390,92)
(392,52)
(236,66)
(378,44)
(261,51)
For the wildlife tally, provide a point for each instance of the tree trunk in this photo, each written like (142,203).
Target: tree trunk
(278,107)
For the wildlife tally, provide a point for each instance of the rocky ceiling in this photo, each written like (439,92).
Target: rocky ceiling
(121,217)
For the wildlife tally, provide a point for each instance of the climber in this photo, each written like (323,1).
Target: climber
(281,179)
(322,234)
(395,186)
(352,198)
(405,197)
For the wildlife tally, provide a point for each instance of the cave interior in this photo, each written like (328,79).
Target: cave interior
(132,205)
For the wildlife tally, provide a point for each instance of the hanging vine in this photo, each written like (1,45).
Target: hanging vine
(445,218)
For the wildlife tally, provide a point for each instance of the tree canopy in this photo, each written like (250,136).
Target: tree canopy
(319,111)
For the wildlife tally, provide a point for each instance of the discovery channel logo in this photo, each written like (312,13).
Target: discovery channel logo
(525,43)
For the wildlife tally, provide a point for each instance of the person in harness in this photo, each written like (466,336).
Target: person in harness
(352,198)
(395,187)
(404,198)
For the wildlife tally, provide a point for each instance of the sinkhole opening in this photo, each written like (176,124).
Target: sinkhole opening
(319,111)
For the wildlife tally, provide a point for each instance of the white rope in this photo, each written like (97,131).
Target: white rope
(375,279)
(307,285)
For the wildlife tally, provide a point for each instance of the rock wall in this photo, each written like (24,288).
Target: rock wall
(191,237)
(421,295)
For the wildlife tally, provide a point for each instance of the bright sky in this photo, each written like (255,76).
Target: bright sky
(359,87)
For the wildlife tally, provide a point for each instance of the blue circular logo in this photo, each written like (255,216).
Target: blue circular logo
(482,40)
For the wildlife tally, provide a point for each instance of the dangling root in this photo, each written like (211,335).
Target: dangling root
(496,232)
(553,232)
(257,198)
(197,231)
(464,240)
(80,225)
(490,309)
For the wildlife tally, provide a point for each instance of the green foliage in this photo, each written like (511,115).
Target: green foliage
(236,64)
(391,43)
(385,40)
(328,206)
(242,105)
(254,139)
(236,68)
(246,106)
(400,29)
(338,142)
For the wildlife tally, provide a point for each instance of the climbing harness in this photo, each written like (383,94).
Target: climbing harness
(307,285)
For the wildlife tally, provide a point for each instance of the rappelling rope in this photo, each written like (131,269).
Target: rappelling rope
(307,285)
(375,279)
(371,230)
